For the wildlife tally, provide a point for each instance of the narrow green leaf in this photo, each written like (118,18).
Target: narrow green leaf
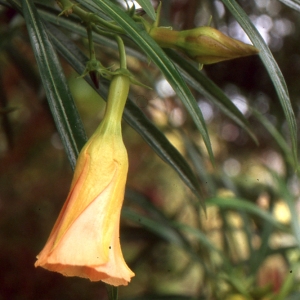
(295,4)
(290,200)
(244,205)
(195,155)
(156,215)
(148,8)
(276,135)
(165,150)
(164,231)
(199,235)
(3,2)
(210,90)
(205,242)
(60,100)
(157,55)
(71,23)
(10,3)
(192,75)
(132,114)
(272,68)
(161,297)
(259,254)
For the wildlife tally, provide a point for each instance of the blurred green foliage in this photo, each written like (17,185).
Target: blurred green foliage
(246,245)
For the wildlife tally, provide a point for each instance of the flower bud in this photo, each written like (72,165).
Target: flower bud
(85,239)
(205,45)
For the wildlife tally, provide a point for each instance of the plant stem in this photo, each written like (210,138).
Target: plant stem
(91,43)
(122,52)
(69,7)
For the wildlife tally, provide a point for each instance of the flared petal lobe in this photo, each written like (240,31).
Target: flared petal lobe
(85,239)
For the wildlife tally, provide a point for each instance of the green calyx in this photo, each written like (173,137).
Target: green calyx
(94,66)
(126,72)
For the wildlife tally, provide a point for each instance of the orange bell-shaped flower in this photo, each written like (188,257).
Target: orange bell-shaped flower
(85,240)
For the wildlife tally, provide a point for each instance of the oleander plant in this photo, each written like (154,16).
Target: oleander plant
(149,149)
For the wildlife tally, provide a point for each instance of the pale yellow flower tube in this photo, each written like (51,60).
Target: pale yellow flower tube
(85,240)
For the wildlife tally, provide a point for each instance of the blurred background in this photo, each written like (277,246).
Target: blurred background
(247,244)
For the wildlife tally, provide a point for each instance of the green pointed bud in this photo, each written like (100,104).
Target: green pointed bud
(205,45)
